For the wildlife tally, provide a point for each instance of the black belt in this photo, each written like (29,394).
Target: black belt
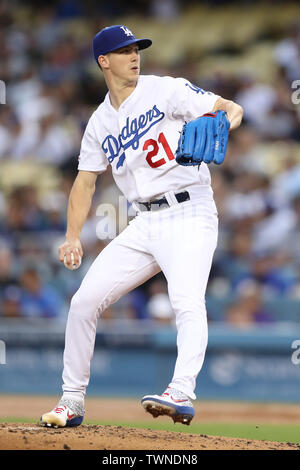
(156,204)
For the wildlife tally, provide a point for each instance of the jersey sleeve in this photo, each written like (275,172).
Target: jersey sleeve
(91,157)
(188,101)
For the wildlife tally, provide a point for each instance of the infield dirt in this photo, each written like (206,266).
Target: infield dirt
(22,436)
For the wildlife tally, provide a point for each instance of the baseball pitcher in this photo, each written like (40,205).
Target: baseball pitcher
(159,134)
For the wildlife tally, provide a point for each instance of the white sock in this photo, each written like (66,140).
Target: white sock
(76,396)
(74,401)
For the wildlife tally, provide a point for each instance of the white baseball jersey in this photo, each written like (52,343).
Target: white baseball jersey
(140,139)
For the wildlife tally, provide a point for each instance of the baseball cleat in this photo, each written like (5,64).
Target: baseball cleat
(171,403)
(67,413)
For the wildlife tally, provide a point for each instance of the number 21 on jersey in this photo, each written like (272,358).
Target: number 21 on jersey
(155,149)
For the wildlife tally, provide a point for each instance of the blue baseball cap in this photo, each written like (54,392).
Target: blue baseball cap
(113,37)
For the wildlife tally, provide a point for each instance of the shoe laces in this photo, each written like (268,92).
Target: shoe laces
(59,409)
(177,395)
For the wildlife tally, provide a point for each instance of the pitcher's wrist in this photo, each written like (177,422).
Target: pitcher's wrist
(71,237)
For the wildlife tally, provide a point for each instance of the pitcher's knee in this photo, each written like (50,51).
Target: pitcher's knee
(85,305)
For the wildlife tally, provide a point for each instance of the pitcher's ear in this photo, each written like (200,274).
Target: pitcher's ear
(102,62)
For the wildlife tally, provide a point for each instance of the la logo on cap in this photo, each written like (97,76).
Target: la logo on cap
(127,31)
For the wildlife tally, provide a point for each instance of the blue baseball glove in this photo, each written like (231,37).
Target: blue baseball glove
(204,140)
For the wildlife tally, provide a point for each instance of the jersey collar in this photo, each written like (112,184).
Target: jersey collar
(132,95)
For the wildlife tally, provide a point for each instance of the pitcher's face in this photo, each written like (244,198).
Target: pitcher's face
(124,63)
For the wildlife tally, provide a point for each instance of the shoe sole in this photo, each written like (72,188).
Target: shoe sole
(156,408)
(52,421)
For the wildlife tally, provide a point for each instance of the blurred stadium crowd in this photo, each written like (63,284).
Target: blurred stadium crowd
(249,53)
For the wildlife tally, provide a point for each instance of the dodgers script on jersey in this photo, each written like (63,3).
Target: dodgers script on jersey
(140,139)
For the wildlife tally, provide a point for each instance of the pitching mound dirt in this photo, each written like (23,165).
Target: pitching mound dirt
(16,436)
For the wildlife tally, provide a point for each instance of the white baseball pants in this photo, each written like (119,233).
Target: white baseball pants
(179,240)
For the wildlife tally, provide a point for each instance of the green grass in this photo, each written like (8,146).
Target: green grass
(268,432)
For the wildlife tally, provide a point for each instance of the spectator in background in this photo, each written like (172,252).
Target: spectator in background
(248,309)
(291,242)
(248,201)
(56,143)
(234,262)
(270,230)
(9,288)
(48,29)
(222,189)
(23,212)
(273,272)
(160,309)
(26,87)
(41,130)
(164,10)
(159,306)
(10,303)
(287,52)
(61,62)
(6,135)
(257,100)
(286,184)
(246,152)
(280,120)
(7,268)
(38,299)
